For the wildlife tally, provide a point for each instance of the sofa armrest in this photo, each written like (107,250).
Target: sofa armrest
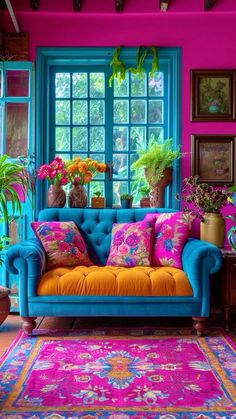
(28,259)
(200,259)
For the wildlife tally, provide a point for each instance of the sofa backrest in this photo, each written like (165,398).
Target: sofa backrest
(95,225)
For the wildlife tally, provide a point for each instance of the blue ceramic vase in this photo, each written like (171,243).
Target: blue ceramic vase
(231,236)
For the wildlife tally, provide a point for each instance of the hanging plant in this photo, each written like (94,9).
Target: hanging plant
(119,69)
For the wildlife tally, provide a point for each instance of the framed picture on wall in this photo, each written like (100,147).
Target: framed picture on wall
(213,158)
(213,95)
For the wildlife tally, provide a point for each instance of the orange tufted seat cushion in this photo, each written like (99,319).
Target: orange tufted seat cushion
(115,281)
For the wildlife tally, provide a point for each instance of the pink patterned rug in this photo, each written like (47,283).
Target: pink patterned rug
(119,374)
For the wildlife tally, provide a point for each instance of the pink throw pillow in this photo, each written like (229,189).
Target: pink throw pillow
(62,242)
(131,244)
(171,233)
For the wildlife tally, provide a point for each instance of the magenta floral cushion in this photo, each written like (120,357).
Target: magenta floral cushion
(131,244)
(171,233)
(62,242)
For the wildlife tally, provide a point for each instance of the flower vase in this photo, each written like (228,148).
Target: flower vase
(77,197)
(56,196)
(212,229)
(231,236)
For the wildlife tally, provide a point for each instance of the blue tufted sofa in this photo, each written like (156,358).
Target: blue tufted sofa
(28,260)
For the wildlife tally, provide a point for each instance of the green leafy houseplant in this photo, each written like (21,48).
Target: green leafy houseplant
(158,156)
(144,191)
(13,182)
(126,200)
(126,197)
(119,68)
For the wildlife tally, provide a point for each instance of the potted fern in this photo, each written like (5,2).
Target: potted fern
(157,162)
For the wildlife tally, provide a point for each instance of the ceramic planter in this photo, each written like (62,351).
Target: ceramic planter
(213,229)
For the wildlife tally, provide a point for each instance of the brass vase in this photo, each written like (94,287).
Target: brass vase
(158,187)
(77,197)
(56,196)
(212,229)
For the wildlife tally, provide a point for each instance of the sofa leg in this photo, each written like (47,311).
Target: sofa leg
(29,324)
(199,323)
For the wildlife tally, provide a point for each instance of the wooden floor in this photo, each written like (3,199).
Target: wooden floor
(11,326)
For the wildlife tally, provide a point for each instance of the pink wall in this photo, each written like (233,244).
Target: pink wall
(207,39)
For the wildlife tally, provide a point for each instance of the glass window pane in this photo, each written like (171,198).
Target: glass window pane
(120,165)
(96,186)
(121,111)
(137,138)
(97,85)
(138,85)
(62,112)
(101,159)
(80,112)
(62,139)
(80,139)
(17,83)
(155,111)
(80,85)
(62,85)
(122,89)
(120,138)
(156,84)
(138,111)
(119,188)
(155,133)
(97,112)
(16,129)
(97,138)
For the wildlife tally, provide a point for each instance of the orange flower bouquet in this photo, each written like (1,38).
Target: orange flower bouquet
(82,171)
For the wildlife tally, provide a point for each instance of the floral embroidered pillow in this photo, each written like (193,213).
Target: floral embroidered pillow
(62,242)
(171,233)
(131,244)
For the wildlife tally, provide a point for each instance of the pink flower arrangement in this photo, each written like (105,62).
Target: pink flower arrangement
(54,172)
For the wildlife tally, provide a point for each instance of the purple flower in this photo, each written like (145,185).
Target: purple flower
(132,240)
(118,238)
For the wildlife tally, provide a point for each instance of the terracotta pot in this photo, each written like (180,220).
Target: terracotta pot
(213,229)
(5,303)
(98,202)
(158,188)
(77,197)
(56,196)
(145,202)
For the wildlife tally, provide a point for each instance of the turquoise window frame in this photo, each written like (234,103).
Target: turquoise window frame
(50,58)
(23,220)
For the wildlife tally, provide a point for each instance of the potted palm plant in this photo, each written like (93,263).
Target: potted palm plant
(13,184)
(157,161)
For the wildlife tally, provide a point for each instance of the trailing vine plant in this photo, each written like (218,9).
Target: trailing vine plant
(119,69)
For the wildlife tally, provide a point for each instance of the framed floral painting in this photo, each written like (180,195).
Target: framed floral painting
(213,95)
(213,158)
